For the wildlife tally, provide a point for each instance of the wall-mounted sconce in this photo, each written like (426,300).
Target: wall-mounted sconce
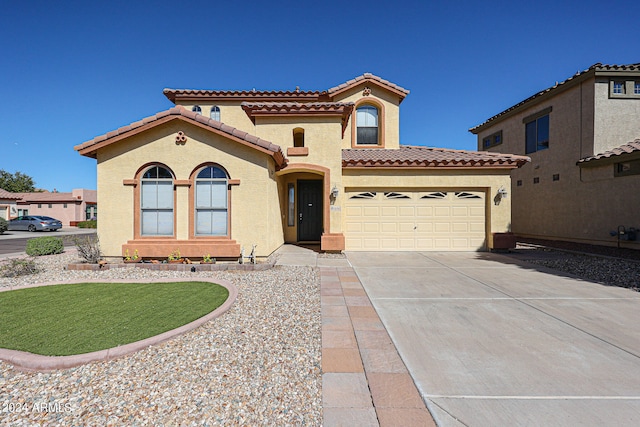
(501,194)
(335,192)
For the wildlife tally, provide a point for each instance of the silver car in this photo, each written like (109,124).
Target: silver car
(33,223)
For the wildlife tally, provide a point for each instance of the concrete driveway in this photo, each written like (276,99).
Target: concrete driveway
(494,341)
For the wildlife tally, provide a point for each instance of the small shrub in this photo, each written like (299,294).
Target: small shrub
(18,267)
(88,224)
(3,225)
(88,248)
(44,246)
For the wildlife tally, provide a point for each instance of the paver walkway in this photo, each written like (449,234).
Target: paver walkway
(364,380)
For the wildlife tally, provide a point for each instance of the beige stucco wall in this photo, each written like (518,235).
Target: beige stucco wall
(498,217)
(391,103)
(255,170)
(617,120)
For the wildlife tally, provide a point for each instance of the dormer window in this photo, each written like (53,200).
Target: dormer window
(298,137)
(196,109)
(215,113)
(367,125)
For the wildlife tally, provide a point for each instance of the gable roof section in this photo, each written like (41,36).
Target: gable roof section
(369,78)
(427,157)
(595,69)
(187,95)
(624,150)
(7,195)
(91,147)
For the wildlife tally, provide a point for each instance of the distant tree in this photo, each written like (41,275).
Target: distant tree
(16,182)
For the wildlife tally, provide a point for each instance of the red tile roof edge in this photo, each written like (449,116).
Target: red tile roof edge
(631,147)
(418,156)
(8,195)
(368,77)
(199,118)
(559,85)
(337,108)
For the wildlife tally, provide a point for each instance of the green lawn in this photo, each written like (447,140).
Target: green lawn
(80,318)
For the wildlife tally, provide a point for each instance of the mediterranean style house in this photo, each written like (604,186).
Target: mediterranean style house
(582,135)
(70,208)
(227,169)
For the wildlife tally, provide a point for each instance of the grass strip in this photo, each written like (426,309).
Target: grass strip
(78,318)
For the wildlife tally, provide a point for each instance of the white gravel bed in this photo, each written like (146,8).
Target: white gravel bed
(258,364)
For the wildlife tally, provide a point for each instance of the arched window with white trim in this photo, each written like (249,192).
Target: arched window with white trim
(156,202)
(211,202)
(367,125)
(196,109)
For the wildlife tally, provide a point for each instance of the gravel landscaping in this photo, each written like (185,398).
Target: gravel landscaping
(607,270)
(258,364)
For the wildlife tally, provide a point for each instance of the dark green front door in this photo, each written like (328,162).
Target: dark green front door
(309,210)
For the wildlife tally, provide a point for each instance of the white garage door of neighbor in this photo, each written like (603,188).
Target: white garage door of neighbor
(407,221)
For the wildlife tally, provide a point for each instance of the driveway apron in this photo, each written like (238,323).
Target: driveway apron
(494,341)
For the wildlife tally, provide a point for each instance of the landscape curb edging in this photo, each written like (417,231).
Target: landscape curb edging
(26,361)
(171,267)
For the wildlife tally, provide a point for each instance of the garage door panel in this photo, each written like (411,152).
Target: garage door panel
(446,221)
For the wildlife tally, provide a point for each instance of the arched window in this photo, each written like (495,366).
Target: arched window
(215,113)
(367,125)
(298,137)
(196,109)
(211,202)
(157,202)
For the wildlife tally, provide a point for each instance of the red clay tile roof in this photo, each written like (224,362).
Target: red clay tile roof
(368,77)
(295,108)
(89,148)
(7,195)
(631,147)
(577,77)
(47,197)
(184,95)
(412,156)
(256,95)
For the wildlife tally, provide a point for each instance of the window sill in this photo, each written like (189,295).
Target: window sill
(298,151)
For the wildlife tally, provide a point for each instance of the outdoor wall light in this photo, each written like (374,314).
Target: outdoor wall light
(335,192)
(501,194)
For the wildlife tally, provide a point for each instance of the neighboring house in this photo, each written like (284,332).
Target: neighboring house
(224,169)
(582,136)
(69,208)
(8,204)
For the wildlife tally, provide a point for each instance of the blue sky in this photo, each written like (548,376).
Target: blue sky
(74,70)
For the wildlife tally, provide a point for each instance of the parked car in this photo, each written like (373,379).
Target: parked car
(33,223)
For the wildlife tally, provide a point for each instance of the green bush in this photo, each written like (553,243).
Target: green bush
(88,224)
(3,225)
(18,267)
(44,246)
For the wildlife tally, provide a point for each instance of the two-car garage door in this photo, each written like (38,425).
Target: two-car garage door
(418,220)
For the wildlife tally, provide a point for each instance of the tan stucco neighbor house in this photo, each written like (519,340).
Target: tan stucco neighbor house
(227,169)
(70,208)
(583,137)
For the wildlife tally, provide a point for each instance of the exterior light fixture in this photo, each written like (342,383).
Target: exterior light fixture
(335,192)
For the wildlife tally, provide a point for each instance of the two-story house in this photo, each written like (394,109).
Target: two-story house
(224,169)
(582,136)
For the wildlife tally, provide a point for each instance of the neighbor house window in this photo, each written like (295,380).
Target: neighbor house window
(618,87)
(631,167)
(636,88)
(39,205)
(157,202)
(215,113)
(196,109)
(537,131)
(64,206)
(492,140)
(211,202)
(298,137)
(367,125)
